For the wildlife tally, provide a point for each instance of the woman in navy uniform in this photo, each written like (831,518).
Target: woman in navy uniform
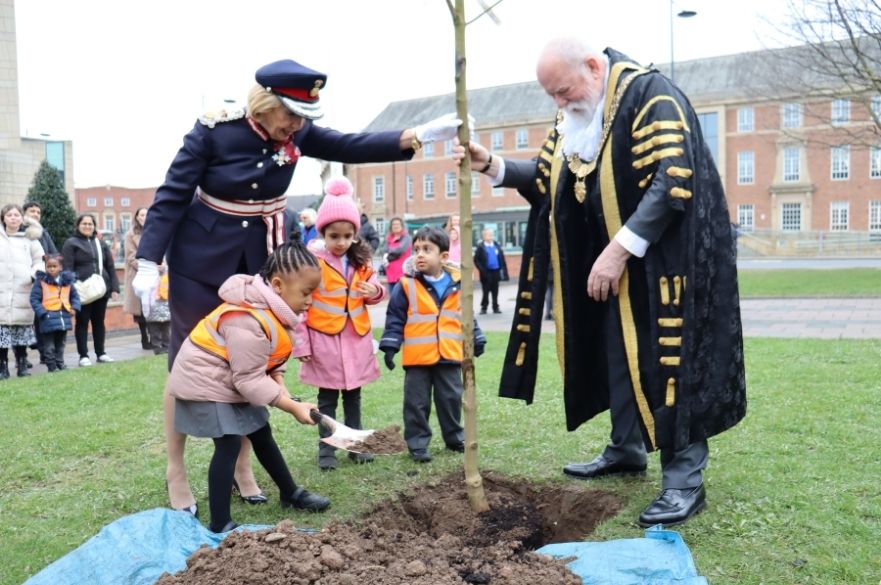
(221,209)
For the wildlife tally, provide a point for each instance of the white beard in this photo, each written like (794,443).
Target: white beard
(581,127)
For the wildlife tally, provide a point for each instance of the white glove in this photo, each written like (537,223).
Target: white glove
(444,128)
(146,281)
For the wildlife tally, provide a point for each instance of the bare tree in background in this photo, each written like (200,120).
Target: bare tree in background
(839,58)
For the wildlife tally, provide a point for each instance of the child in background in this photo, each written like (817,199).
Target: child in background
(54,300)
(335,342)
(158,316)
(232,366)
(425,316)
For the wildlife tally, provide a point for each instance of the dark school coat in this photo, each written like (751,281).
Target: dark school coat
(679,305)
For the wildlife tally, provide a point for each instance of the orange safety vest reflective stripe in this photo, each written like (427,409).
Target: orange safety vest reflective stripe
(335,300)
(206,333)
(55,297)
(432,333)
(162,289)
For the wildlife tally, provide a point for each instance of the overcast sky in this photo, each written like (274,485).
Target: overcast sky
(125,80)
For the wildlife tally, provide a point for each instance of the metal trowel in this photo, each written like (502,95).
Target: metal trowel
(341,436)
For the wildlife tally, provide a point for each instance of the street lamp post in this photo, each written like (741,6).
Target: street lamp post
(680,14)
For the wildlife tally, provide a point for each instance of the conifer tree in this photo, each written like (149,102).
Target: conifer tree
(58,214)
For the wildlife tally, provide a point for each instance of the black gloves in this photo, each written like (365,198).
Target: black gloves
(390,359)
(479,349)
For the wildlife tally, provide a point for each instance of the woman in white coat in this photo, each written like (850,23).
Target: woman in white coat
(21,255)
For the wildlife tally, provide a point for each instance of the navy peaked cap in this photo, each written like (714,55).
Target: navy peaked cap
(296,86)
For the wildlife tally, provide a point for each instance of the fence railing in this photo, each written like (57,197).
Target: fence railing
(808,243)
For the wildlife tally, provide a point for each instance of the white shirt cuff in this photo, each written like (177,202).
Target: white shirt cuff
(631,242)
(495,182)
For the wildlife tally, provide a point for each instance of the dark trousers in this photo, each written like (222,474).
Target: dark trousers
(489,282)
(188,301)
(327,403)
(52,345)
(418,383)
(160,335)
(223,466)
(92,313)
(680,469)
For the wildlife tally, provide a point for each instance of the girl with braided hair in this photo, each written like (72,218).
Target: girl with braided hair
(242,347)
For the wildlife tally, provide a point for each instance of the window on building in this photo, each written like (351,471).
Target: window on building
(108,202)
(791,115)
(55,157)
(378,189)
(498,191)
(875,216)
(91,202)
(838,213)
(746,217)
(840,163)
(745,119)
(409,182)
(840,111)
(790,217)
(381,225)
(522,139)
(428,150)
(475,184)
(448,148)
(746,167)
(450,181)
(875,162)
(709,123)
(497,140)
(791,164)
(428,187)
(125,222)
(109,222)
(125,202)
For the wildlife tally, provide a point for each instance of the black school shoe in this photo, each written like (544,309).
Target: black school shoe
(303,500)
(420,456)
(457,447)
(674,507)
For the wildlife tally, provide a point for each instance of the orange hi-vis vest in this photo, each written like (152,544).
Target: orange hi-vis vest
(432,333)
(335,300)
(162,289)
(206,333)
(55,296)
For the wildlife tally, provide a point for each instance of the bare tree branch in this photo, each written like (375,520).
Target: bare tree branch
(485,11)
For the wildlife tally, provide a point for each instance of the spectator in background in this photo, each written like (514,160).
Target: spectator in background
(80,256)
(397,250)
(490,262)
(368,233)
(307,218)
(452,229)
(131,304)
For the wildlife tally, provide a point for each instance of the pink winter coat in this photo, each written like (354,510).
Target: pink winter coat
(397,250)
(344,361)
(203,377)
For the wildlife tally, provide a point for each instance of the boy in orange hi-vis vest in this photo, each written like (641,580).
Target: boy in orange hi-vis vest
(424,316)
(54,300)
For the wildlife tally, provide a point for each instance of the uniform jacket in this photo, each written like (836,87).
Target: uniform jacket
(201,376)
(480,260)
(397,250)
(396,313)
(680,312)
(78,256)
(131,304)
(344,361)
(21,256)
(230,160)
(49,321)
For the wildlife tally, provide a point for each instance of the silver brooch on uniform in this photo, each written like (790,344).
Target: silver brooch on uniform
(286,155)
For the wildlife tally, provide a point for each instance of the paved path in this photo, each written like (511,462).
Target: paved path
(789,318)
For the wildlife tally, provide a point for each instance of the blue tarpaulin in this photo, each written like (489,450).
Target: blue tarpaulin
(138,549)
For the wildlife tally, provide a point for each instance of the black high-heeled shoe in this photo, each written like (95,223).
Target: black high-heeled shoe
(253,500)
(191,509)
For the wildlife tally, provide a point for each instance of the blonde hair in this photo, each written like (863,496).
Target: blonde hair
(261,101)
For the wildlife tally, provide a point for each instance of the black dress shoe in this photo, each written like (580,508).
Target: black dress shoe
(457,447)
(303,500)
(226,527)
(674,507)
(253,500)
(602,467)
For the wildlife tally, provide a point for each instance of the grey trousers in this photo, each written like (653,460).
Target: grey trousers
(418,383)
(679,469)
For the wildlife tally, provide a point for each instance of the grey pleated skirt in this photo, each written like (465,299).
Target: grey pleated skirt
(216,419)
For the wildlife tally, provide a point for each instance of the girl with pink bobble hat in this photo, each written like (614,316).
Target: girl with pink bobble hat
(334,343)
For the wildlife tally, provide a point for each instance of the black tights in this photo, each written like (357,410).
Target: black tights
(223,466)
(19,351)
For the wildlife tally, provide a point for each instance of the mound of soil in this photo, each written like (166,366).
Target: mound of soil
(428,536)
(387,441)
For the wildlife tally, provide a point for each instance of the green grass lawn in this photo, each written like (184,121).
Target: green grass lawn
(793,491)
(845,282)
